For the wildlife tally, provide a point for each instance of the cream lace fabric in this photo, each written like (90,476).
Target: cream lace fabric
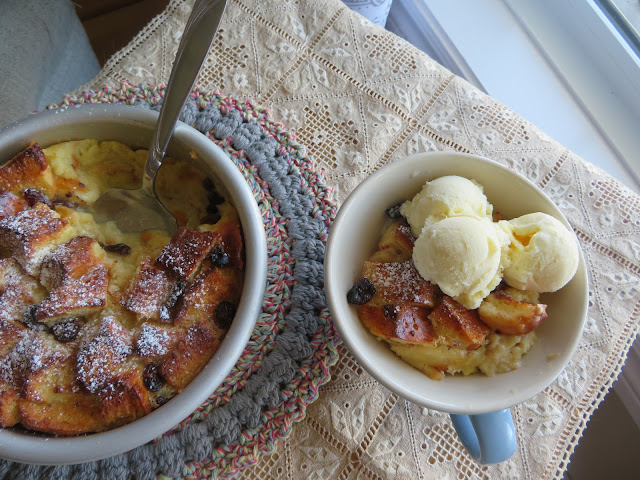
(358,97)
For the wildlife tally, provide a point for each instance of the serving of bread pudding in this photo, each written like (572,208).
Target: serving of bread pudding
(430,330)
(100,327)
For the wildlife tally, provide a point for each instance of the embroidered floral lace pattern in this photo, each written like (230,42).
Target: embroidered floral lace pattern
(359,97)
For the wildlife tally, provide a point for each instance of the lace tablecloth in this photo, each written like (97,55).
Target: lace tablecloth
(359,97)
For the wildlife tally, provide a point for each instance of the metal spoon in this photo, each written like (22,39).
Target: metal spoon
(140,209)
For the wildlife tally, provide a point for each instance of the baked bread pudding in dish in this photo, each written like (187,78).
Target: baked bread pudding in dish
(100,327)
(454,288)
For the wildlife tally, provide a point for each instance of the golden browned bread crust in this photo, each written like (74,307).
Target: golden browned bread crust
(186,252)
(148,292)
(95,334)
(30,234)
(27,169)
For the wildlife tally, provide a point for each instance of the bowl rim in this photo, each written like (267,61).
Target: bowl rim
(37,448)
(337,300)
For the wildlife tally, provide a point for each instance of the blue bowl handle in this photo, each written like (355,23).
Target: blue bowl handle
(488,437)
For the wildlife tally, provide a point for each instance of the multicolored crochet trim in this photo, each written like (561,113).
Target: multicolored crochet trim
(294,341)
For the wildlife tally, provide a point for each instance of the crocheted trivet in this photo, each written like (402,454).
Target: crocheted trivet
(294,342)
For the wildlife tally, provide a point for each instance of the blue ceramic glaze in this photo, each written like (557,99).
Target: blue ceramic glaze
(488,437)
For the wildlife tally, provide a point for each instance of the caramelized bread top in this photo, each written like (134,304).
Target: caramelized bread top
(428,329)
(98,327)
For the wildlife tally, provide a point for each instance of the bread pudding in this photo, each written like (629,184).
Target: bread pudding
(430,330)
(100,327)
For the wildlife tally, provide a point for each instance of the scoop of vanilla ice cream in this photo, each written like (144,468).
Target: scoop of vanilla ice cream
(462,256)
(542,254)
(445,197)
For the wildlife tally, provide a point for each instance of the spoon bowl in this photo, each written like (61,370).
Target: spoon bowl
(139,209)
(133,211)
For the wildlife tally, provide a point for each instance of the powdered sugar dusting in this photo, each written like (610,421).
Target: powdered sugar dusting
(399,282)
(27,235)
(68,261)
(148,291)
(101,356)
(153,341)
(187,249)
(29,355)
(73,296)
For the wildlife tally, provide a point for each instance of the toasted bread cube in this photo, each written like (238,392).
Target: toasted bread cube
(30,353)
(231,235)
(127,401)
(15,340)
(399,283)
(202,297)
(101,357)
(14,298)
(10,204)
(54,402)
(396,244)
(398,323)
(14,301)
(156,340)
(75,298)
(189,356)
(29,168)
(148,292)
(31,234)
(457,325)
(104,369)
(17,291)
(186,251)
(70,261)
(504,312)
(398,235)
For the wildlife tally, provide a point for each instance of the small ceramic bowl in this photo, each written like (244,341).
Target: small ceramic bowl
(134,127)
(354,237)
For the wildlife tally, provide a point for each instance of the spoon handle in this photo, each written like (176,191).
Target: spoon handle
(194,45)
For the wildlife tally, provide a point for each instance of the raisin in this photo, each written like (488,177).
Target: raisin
(212,193)
(151,378)
(119,248)
(33,196)
(211,219)
(390,311)
(361,292)
(215,198)
(219,257)
(394,211)
(30,319)
(160,400)
(208,184)
(66,331)
(225,311)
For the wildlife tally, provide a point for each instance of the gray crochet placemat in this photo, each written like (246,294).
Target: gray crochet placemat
(294,342)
